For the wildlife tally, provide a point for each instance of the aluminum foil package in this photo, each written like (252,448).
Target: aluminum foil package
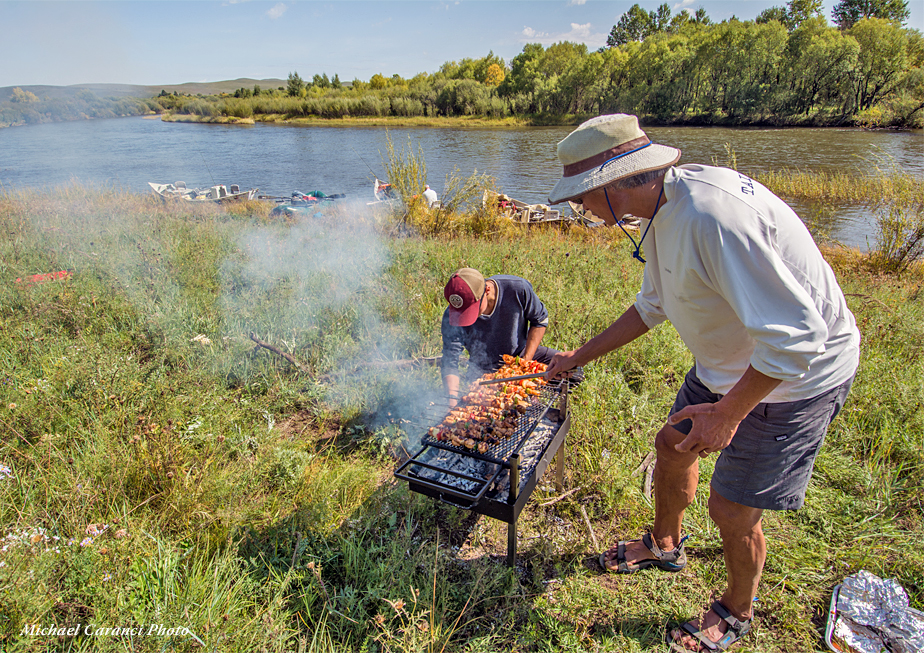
(872,615)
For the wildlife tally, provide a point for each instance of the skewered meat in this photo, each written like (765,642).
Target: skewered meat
(488,414)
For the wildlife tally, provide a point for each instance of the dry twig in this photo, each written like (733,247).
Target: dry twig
(301,368)
(560,497)
(589,527)
(649,475)
(645,464)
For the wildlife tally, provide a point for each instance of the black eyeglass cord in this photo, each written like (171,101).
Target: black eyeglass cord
(637,254)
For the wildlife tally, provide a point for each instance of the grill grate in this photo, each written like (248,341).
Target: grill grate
(500,452)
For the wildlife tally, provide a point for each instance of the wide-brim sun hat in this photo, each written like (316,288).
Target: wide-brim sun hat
(604,149)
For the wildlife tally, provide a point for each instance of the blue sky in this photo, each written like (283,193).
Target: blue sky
(171,42)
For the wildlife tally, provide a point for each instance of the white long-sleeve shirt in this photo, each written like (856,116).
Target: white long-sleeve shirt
(738,275)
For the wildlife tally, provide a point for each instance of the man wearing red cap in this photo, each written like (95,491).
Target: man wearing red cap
(739,277)
(489,318)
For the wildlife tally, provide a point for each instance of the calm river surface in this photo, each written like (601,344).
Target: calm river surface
(279,159)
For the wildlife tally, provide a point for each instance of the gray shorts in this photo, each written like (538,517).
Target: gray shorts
(769,461)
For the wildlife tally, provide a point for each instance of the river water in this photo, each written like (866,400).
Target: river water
(278,159)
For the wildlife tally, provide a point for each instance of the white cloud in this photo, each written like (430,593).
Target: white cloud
(530,33)
(683,4)
(577,34)
(277,11)
(577,2)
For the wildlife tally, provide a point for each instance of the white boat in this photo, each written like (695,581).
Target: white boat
(219,193)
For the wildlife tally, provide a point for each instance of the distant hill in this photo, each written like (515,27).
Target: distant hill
(132,90)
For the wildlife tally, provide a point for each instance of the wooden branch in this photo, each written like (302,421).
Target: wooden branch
(560,498)
(301,368)
(645,463)
(649,475)
(589,527)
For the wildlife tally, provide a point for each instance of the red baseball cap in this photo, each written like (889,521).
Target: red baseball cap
(464,292)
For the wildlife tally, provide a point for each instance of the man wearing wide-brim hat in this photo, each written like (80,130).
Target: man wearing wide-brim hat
(738,275)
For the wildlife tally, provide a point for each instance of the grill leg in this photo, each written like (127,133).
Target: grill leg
(512,544)
(560,467)
(512,499)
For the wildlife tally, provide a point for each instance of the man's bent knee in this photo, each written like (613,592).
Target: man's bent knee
(730,516)
(666,441)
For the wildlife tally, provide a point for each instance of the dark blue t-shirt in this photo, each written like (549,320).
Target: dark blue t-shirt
(517,309)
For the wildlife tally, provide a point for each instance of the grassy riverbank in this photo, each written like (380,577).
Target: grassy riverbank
(159,468)
(383,121)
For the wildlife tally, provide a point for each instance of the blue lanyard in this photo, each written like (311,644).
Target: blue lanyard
(637,254)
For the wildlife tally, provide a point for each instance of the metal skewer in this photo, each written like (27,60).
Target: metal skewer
(513,378)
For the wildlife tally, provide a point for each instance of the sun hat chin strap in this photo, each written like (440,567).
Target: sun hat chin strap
(637,254)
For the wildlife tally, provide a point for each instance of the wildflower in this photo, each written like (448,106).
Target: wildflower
(396,605)
(380,619)
(106,578)
(5,472)
(96,529)
(121,534)
(87,541)
(12,406)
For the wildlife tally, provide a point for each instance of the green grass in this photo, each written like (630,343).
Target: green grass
(255,505)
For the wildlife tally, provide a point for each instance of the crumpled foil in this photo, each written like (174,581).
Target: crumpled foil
(873,615)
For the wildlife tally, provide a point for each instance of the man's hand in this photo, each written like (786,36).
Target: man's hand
(561,364)
(713,429)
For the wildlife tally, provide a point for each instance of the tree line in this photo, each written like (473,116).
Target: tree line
(789,66)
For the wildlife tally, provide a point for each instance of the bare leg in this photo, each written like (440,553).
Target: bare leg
(745,553)
(675,478)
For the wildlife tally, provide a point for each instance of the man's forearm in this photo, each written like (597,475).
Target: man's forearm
(751,389)
(451,384)
(533,338)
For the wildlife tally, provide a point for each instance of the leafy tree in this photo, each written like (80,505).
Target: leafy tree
(378,82)
(523,73)
(634,25)
(23,97)
(881,62)
(700,17)
(740,61)
(799,11)
(495,75)
(661,18)
(295,85)
(846,13)
(256,89)
(793,14)
(779,14)
(335,82)
(476,69)
(819,61)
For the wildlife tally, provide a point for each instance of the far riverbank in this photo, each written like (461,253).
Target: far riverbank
(514,122)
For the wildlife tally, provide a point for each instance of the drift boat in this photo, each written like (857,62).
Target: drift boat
(221,194)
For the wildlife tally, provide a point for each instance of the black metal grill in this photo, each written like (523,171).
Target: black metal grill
(498,482)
